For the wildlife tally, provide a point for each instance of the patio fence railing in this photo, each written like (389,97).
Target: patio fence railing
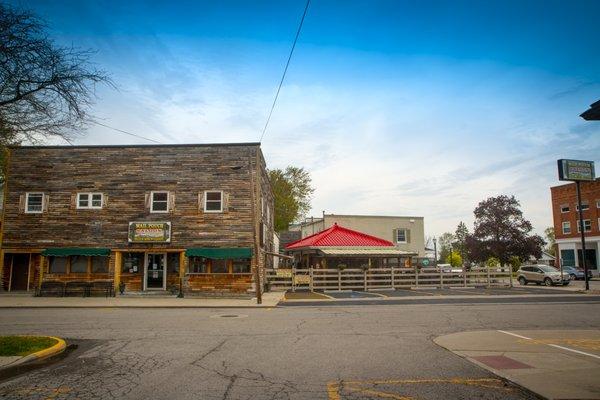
(385,278)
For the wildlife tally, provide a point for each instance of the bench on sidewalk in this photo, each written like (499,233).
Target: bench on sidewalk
(103,287)
(51,288)
(76,288)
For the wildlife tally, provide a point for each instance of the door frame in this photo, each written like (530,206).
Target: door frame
(145,281)
(12,267)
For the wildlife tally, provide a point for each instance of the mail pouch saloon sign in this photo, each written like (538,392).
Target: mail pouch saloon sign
(149,232)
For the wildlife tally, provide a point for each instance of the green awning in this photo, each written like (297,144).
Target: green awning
(220,252)
(76,251)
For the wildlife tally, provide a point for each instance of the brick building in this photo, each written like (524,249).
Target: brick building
(150,217)
(566,223)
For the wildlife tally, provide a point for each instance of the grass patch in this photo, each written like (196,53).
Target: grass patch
(24,345)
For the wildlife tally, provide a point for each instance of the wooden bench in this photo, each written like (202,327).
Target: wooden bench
(51,288)
(77,288)
(105,287)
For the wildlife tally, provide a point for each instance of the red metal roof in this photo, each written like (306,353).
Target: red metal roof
(339,236)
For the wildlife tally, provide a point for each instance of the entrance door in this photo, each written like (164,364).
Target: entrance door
(156,271)
(19,272)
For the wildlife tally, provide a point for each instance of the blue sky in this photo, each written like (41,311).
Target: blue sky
(395,107)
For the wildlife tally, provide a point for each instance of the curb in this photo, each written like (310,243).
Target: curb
(54,350)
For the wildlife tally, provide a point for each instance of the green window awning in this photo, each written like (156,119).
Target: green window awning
(76,251)
(220,252)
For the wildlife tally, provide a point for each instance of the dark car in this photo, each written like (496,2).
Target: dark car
(576,273)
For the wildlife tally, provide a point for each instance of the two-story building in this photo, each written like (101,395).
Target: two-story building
(149,216)
(566,223)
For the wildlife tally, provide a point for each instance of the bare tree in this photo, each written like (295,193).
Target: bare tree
(45,90)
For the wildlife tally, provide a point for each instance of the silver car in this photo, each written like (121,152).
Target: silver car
(539,274)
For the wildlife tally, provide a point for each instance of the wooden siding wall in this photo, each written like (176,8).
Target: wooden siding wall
(126,175)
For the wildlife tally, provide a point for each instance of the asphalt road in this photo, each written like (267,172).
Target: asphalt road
(346,352)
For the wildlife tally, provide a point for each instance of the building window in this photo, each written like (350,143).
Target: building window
(587,226)
(219,267)
(89,200)
(198,265)
(173,262)
(159,202)
(34,203)
(400,235)
(78,264)
(584,206)
(564,208)
(241,266)
(597,203)
(99,265)
(213,201)
(133,263)
(568,257)
(58,265)
(566,228)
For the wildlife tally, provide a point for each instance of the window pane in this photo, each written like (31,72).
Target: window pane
(34,202)
(401,235)
(213,205)
(173,262)
(198,265)
(99,265)
(160,196)
(241,266)
(213,196)
(83,200)
(219,267)
(58,265)
(133,263)
(78,264)
(97,200)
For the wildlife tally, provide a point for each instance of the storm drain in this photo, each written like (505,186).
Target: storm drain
(228,316)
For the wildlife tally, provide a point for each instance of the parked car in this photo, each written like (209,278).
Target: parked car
(576,273)
(539,274)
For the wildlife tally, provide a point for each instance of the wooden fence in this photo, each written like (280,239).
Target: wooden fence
(385,278)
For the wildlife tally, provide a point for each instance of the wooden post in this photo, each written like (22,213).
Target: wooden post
(339,280)
(310,279)
(393,283)
(416,276)
(117,271)
(293,278)
(442,278)
(42,269)
(510,275)
(488,276)
(464,276)
(365,278)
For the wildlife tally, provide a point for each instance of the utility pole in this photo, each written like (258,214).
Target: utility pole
(435,257)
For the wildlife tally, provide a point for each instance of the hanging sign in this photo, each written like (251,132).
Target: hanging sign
(149,232)
(576,170)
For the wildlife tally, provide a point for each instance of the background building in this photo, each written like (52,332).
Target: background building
(566,223)
(406,233)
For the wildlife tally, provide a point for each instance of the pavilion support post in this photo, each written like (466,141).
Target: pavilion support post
(339,279)
(293,278)
(393,283)
(464,276)
(310,279)
(416,276)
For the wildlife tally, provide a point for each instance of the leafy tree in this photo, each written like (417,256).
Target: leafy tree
(550,239)
(46,90)
(502,232)
(460,242)
(454,259)
(492,262)
(292,189)
(445,244)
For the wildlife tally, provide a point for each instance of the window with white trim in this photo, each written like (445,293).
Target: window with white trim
(34,203)
(159,202)
(564,208)
(213,201)
(566,228)
(584,206)
(89,200)
(400,235)
(597,203)
(587,226)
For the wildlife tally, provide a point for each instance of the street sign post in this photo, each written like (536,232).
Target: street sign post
(578,170)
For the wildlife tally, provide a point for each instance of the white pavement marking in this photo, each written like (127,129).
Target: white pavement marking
(553,345)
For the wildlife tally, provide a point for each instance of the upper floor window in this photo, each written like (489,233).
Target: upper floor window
(587,226)
(34,203)
(213,201)
(159,202)
(401,236)
(566,228)
(597,203)
(584,206)
(89,200)
(564,208)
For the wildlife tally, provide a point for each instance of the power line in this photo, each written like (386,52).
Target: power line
(287,64)
(125,132)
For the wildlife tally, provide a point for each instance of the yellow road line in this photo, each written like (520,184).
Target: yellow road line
(333,391)
(378,393)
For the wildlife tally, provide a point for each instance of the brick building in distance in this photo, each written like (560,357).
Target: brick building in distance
(566,223)
(148,216)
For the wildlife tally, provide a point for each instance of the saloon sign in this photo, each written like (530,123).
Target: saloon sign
(149,232)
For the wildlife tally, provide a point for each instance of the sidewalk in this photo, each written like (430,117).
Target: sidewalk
(557,364)
(270,299)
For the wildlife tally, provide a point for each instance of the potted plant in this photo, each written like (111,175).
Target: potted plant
(342,266)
